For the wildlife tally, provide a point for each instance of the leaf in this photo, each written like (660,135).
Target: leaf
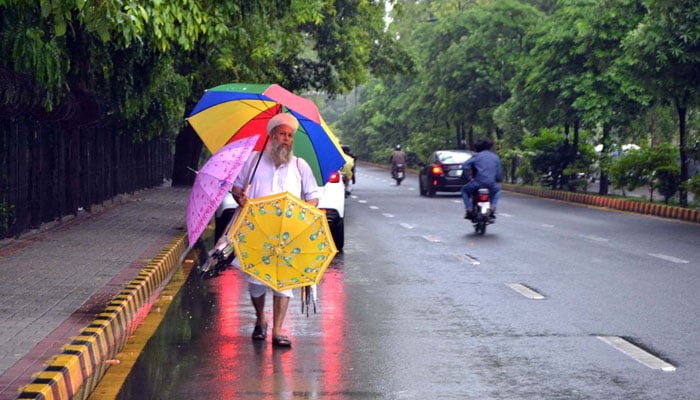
(60,27)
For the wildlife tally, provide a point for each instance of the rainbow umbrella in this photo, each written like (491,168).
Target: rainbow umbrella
(233,111)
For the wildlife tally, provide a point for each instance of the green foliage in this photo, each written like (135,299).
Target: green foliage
(693,186)
(662,54)
(150,61)
(570,74)
(526,174)
(470,58)
(667,180)
(7,215)
(639,168)
(545,160)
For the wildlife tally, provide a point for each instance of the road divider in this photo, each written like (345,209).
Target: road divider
(639,207)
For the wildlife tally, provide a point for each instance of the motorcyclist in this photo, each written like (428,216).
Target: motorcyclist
(346,150)
(397,157)
(486,172)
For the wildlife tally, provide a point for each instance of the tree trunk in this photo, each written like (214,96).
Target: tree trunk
(188,147)
(470,140)
(603,184)
(682,192)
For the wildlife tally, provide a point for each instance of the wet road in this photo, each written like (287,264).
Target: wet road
(418,307)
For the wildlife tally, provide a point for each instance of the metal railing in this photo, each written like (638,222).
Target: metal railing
(49,171)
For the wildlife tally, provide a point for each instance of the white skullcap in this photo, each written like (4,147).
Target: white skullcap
(282,119)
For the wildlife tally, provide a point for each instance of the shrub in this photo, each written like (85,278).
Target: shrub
(638,168)
(668,180)
(693,185)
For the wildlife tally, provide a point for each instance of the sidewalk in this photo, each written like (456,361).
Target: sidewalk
(54,281)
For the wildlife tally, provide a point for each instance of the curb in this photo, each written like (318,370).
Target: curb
(76,371)
(654,209)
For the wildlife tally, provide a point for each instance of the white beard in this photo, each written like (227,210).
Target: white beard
(280,154)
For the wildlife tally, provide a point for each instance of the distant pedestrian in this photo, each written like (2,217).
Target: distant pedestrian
(352,155)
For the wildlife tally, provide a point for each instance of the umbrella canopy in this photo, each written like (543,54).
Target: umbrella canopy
(237,110)
(213,180)
(283,241)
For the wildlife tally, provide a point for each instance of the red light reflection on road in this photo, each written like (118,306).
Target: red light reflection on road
(227,325)
(333,326)
(236,367)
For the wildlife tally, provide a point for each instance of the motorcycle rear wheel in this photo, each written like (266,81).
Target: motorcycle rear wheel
(480,227)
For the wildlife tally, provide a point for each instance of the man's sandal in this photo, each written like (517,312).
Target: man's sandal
(260,332)
(281,341)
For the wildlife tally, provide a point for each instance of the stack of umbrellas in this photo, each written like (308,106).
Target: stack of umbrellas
(280,240)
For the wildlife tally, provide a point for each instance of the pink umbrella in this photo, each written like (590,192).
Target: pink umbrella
(213,180)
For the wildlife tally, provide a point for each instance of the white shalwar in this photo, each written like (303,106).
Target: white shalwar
(291,177)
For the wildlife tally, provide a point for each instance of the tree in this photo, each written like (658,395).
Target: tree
(545,156)
(663,55)
(667,181)
(67,46)
(478,50)
(325,47)
(570,77)
(637,168)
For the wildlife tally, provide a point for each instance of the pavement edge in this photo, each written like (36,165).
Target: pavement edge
(646,208)
(76,371)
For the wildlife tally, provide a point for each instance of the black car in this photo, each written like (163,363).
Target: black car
(443,172)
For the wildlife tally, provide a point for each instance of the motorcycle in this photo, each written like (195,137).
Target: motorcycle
(398,173)
(481,214)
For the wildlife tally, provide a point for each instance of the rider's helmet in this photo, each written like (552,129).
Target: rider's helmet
(398,147)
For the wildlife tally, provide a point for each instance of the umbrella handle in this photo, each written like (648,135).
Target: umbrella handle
(267,138)
(252,174)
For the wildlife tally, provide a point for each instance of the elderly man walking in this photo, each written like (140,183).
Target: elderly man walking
(278,170)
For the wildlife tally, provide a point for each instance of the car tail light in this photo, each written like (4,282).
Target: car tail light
(437,170)
(334,178)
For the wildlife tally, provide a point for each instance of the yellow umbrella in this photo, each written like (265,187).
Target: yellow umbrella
(283,241)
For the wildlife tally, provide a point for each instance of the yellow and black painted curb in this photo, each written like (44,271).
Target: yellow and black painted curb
(77,370)
(658,210)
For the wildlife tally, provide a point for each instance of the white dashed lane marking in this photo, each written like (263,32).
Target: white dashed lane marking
(637,353)
(669,258)
(407,226)
(468,259)
(525,291)
(595,238)
(388,215)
